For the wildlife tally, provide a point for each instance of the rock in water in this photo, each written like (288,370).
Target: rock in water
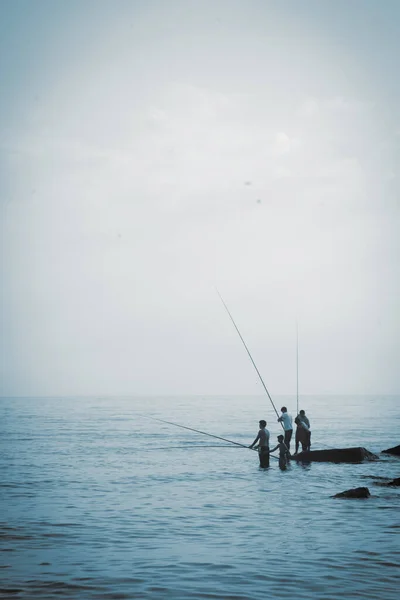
(360,492)
(393,483)
(395,450)
(338,455)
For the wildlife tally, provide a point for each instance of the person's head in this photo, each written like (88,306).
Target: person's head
(283,409)
(262,423)
(302,412)
(280,438)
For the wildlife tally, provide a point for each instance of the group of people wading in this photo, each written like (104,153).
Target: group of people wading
(303,437)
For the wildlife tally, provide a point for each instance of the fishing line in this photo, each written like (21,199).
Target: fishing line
(248,352)
(192,446)
(297,367)
(198,431)
(325,446)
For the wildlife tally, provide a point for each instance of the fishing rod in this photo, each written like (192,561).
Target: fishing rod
(248,352)
(258,372)
(193,446)
(297,367)
(198,431)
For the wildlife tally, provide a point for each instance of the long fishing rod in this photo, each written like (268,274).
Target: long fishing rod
(198,431)
(193,446)
(297,367)
(248,352)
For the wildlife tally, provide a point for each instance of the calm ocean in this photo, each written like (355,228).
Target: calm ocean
(99,502)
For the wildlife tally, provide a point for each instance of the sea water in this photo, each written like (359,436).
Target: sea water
(99,501)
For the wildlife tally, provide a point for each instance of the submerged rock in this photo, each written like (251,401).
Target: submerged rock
(360,492)
(393,483)
(395,450)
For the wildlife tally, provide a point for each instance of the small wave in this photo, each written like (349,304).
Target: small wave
(15,536)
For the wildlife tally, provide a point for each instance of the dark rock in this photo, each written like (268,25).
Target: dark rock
(360,492)
(395,450)
(351,455)
(393,483)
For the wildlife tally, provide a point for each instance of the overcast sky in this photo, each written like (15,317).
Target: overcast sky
(153,150)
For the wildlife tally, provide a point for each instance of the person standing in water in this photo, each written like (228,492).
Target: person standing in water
(303,433)
(283,452)
(287,422)
(263,446)
(306,425)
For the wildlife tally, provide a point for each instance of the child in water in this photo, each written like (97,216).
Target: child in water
(283,452)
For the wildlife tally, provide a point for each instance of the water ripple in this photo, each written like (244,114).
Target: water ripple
(88,512)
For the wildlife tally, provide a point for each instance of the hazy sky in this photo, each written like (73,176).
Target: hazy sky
(152,150)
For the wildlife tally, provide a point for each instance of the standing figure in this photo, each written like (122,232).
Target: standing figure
(287,421)
(303,433)
(263,446)
(283,452)
(306,425)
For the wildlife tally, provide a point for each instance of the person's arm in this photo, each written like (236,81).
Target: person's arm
(273,449)
(255,441)
(280,419)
